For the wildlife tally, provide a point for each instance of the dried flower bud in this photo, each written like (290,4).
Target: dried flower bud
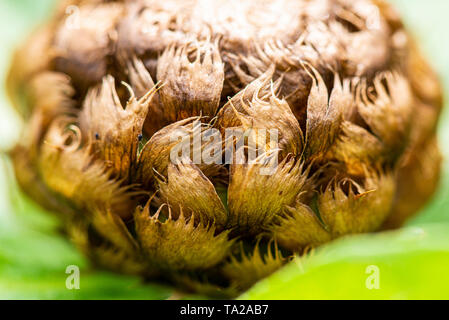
(197,140)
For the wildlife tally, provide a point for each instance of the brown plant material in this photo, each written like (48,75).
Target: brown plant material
(353,102)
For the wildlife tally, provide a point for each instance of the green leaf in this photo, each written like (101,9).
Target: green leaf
(412,263)
(93,286)
(33,266)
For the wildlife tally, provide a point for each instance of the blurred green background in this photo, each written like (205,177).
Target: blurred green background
(412,263)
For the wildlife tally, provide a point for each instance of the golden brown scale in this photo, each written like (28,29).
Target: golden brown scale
(105,85)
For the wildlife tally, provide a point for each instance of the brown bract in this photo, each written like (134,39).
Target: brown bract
(109,90)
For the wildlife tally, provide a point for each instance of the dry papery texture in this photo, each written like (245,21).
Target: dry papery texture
(103,90)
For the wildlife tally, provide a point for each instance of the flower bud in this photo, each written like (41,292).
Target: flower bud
(206,143)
